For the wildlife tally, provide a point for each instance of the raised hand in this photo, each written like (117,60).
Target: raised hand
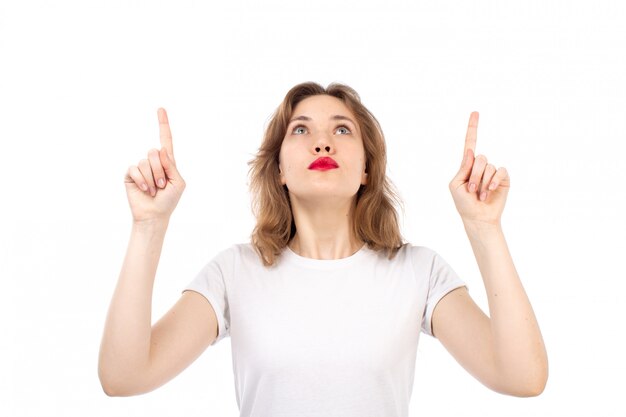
(154,185)
(479,189)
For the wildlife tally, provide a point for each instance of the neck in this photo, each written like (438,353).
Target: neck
(324,229)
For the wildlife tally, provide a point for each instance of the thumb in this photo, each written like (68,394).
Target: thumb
(169,166)
(466,167)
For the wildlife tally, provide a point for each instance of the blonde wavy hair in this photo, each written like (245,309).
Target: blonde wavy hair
(374,217)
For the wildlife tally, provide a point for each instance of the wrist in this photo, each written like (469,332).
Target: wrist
(481,226)
(150,225)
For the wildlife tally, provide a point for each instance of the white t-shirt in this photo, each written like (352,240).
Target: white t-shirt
(313,337)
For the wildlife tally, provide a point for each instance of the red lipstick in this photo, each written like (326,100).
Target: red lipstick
(324,163)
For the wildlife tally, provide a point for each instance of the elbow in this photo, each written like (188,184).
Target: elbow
(533,390)
(113,390)
(106,381)
(111,385)
(540,384)
(530,382)
(123,385)
(109,388)
(532,386)
(539,381)
(527,390)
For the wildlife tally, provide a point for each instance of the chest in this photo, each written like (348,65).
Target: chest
(305,320)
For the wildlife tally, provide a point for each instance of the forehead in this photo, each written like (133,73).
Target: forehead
(321,105)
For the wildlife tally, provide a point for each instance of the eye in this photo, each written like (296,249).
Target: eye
(345,128)
(295,129)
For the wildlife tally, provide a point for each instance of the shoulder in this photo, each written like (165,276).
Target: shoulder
(418,254)
(236,252)
(416,257)
(226,261)
(427,262)
(241,254)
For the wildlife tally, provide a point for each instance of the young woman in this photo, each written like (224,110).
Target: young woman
(325,305)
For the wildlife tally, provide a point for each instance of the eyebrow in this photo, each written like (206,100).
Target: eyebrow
(335,117)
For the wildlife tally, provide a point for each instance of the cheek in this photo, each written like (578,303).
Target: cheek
(286,162)
(283,158)
(362,161)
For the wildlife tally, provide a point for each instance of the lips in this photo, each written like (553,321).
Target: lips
(324,163)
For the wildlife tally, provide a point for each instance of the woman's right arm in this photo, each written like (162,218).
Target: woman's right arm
(136,357)
(125,348)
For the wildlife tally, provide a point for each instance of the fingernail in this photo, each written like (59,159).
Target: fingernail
(152,191)
(483,195)
(492,185)
(161,182)
(144,187)
(472,187)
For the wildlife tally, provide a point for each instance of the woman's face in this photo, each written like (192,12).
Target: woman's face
(322,126)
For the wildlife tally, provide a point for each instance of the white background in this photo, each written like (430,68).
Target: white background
(80,83)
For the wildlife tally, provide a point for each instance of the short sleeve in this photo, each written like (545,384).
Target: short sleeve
(442,280)
(210,282)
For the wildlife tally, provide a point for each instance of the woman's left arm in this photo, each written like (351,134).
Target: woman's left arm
(505,351)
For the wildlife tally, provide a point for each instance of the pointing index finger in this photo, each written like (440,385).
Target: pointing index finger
(472,133)
(165,133)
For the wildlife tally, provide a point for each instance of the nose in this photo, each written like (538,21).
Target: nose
(322,142)
(327,148)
